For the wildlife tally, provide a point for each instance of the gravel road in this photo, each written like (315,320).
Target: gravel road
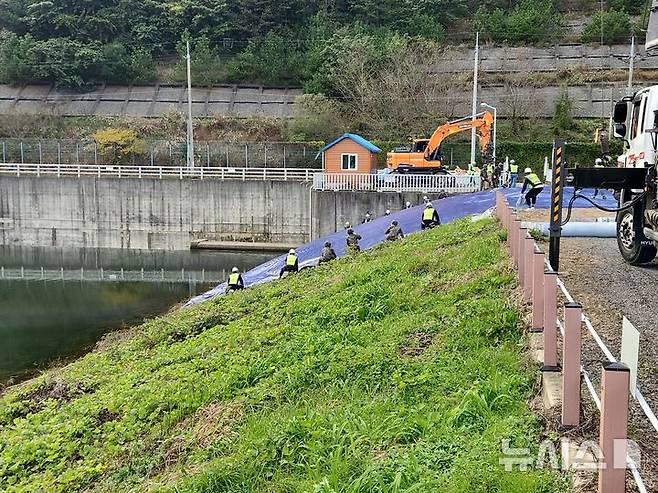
(609,289)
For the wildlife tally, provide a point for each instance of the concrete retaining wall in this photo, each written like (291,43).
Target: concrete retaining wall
(170,214)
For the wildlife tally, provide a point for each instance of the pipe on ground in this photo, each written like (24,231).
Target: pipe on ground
(579,229)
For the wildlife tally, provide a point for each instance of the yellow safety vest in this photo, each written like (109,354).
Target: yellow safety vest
(514,168)
(233,279)
(291,260)
(490,169)
(533,179)
(428,214)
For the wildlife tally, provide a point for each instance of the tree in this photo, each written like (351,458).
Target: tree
(563,118)
(205,65)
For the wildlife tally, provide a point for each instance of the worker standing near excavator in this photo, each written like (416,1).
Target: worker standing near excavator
(292,263)
(534,185)
(430,217)
(513,173)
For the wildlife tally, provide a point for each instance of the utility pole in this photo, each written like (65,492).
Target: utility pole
(631,64)
(190,126)
(475,97)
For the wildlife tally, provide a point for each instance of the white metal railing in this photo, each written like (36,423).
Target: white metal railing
(396,182)
(111,275)
(160,172)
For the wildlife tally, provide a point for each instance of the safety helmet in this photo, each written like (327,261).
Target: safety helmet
(394,223)
(428,205)
(598,161)
(235,270)
(512,161)
(327,244)
(527,171)
(292,251)
(408,204)
(350,231)
(388,211)
(367,214)
(425,198)
(347,224)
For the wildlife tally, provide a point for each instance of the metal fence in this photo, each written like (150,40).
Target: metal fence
(396,182)
(165,153)
(160,172)
(102,275)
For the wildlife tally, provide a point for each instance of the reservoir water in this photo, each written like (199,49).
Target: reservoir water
(55,304)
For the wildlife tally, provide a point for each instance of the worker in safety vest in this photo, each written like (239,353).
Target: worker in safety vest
(513,173)
(535,186)
(598,163)
(291,263)
(353,242)
(430,217)
(235,282)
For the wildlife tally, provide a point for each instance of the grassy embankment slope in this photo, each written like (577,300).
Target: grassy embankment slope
(399,370)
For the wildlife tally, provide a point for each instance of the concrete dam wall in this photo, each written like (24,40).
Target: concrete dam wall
(168,214)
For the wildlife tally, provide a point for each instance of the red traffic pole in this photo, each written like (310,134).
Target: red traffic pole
(550,321)
(571,365)
(614,427)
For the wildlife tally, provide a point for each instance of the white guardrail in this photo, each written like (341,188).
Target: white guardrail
(161,172)
(396,182)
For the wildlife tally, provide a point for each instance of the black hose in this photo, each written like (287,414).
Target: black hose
(605,209)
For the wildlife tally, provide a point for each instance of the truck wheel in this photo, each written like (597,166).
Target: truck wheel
(633,245)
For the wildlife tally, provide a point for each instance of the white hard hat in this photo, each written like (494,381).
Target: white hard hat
(428,205)
(388,211)
(235,270)
(292,250)
(598,160)
(512,161)
(527,171)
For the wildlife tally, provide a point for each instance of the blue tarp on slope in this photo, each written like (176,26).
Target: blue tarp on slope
(373,233)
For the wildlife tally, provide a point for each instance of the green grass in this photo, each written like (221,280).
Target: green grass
(399,370)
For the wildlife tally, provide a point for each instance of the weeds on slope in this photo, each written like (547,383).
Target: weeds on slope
(398,370)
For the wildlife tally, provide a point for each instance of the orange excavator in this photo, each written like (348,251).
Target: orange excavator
(425,156)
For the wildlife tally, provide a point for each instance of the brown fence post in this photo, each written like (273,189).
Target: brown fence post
(614,427)
(550,321)
(538,292)
(528,272)
(520,252)
(516,231)
(571,365)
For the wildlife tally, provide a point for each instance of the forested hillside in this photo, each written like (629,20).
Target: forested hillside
(293,42)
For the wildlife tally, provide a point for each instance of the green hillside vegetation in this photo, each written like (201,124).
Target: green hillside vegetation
(288,42)
(399,370)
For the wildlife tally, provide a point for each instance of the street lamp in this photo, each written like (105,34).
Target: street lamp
(495,112)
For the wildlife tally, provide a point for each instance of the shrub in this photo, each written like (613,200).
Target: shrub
(531,21)
(205,65)
(614,25)
(118,144)
(562,118)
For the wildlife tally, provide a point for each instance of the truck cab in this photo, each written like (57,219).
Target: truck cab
(635,117)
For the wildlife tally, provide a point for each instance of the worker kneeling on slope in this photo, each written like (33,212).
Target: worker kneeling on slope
(235,281)
(535,185)
(353,242)
(394,232)
(430,217)
(328,254)
(292,263)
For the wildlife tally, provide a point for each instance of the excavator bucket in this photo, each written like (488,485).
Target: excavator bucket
(652,28)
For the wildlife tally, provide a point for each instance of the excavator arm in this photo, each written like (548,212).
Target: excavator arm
(482,124)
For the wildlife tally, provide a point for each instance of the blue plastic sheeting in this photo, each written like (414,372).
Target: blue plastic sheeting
(449,209)
(544,199)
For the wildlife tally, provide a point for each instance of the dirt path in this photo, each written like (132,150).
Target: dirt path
(609,289)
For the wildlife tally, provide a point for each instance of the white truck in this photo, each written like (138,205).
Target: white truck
(636,122)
